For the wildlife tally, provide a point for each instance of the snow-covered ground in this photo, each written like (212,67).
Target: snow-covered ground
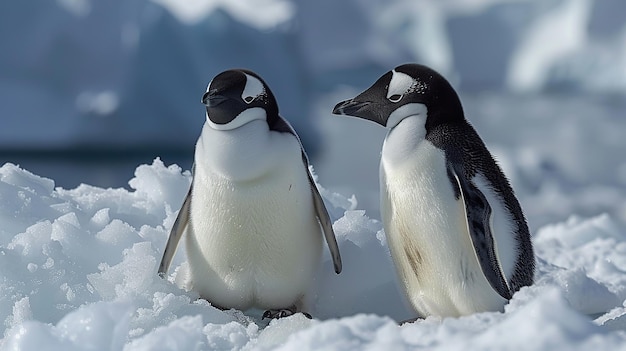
(543,82)
(78,272)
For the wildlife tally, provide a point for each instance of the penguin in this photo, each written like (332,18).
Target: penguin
(456,232)
(253,217)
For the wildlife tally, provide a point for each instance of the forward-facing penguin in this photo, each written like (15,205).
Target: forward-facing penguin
(456,232)
(253,217)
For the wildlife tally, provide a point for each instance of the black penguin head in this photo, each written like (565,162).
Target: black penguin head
(236,97)
(407,90)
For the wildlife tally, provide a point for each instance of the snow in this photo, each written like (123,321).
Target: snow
(542,81)
(79,266)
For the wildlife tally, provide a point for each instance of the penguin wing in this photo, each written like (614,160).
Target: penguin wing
(175,234)
(478,216)
(327,226)
(281,125)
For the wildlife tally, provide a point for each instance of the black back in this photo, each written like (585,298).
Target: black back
(464,149)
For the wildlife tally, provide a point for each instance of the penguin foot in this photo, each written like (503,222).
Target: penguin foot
(280,313)
(410,320)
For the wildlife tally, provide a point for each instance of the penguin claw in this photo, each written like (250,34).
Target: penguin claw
(275,314)
(281,313)
(412,320)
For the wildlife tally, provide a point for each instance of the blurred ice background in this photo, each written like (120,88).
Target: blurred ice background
(91,89)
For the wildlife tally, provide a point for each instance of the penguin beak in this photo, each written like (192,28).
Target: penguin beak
(349,107)
(361,109)
(212,98)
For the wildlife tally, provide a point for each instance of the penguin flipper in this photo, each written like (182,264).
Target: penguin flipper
(327,226)
(175,234)
(478,216)
(281,125)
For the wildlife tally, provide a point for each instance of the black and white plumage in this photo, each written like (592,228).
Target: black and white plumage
(253,217)
(456,232)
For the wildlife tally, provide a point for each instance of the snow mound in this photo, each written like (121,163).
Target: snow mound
(78,272)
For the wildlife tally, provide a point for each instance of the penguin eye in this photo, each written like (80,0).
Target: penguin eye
(395,97)
(248,99)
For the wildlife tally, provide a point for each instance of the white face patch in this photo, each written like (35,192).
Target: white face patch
(401,84)
(254,88)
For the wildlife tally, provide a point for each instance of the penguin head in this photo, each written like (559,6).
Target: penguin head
(236,97)
(407,90)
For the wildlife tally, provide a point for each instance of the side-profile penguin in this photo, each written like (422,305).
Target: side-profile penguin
(253,217)
(456,232)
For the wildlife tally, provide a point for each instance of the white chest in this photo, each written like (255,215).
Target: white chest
(424,222)
(254,240)
(427,232)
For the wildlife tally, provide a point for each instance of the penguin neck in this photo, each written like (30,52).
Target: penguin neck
(237,154)
(403,139)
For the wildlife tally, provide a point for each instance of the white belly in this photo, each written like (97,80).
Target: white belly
(426,230)
(254,242)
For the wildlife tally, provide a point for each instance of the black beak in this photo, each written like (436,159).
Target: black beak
(212,98)
(349,107)
(363,109)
